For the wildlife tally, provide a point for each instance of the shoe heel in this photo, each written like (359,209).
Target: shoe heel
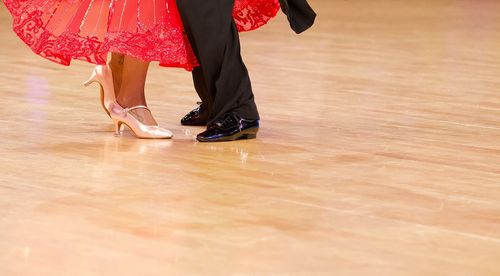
(93,78)
(118,127)
(250,136)
(250,133)
(103,101)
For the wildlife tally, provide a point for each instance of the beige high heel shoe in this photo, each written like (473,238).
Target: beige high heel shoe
(122,116)
(104,77)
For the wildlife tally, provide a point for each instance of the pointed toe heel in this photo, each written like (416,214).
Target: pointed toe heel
(122,116)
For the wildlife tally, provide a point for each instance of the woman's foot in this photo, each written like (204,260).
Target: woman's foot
(130,107)
(143,115)
(128,116)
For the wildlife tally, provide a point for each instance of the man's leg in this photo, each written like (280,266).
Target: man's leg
(215,41)
(199,115)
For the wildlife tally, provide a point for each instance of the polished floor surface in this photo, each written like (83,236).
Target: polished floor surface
(379,154)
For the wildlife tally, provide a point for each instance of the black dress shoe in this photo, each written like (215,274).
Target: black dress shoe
(231,127)
(197,117)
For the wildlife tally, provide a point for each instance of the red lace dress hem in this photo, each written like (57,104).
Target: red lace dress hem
(87,30)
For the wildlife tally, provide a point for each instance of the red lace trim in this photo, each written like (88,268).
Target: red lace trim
(166,44)
(252,14)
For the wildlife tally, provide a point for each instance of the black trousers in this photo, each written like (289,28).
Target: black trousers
(222,81)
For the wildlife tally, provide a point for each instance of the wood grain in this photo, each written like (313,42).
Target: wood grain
(379,154)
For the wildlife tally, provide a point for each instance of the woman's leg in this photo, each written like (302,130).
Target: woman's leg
(131,92)
(116,65)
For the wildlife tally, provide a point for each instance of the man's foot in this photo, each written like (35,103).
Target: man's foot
(197,117)
(229,128)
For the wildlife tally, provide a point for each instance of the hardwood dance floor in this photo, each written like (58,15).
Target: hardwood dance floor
(379,154)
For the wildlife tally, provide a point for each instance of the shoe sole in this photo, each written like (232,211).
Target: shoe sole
(184,124)
(250,133)
(101,98)
(142,137)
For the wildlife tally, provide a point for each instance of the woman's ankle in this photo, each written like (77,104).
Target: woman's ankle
(117,78)
(129,102)
(143,115)
(116,66)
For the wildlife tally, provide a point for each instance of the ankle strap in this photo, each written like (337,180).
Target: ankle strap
(136,107)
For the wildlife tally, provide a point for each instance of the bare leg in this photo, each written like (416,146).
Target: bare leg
(131,91)
(116,65)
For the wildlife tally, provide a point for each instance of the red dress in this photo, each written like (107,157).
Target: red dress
(151,30)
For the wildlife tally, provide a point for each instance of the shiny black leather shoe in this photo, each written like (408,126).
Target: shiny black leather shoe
(197,117)
(231,127)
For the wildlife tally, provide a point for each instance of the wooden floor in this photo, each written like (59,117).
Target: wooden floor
(379,154)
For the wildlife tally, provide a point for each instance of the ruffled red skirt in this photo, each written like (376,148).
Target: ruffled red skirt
(151,30)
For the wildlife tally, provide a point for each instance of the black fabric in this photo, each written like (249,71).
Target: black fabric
(300,15)
(222,81)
